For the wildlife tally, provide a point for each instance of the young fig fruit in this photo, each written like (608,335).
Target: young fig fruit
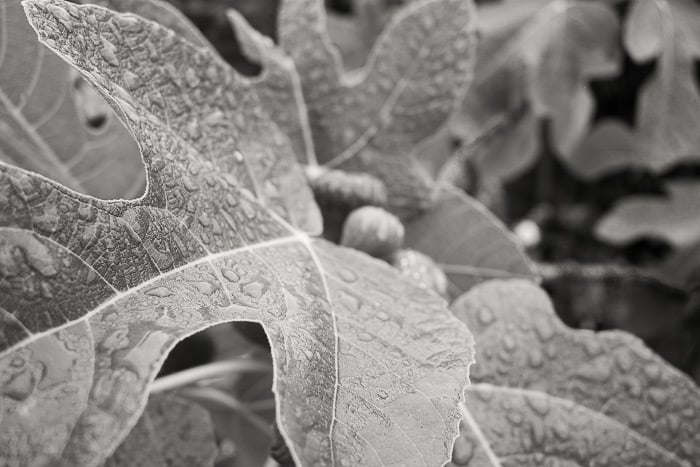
(422,270)
(373,230)
(338,188)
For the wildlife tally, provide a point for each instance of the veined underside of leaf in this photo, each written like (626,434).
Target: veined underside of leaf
(43,125)
(373,119)
(172,432)
(665,131)
(469,243)
(368,367)
(544,394)
(534,62)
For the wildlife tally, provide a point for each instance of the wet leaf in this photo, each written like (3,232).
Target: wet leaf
(545,394)
(54,124)
(278,85)
(371,119)
(468,242)
(368,368)
(535,60)
(172,432)
(669,104)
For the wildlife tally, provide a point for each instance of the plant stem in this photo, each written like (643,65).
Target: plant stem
(211,370)
(227,400)
(264,404)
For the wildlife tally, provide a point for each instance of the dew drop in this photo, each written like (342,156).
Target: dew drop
(159,292)
(515,418)
(108,52)
(238,156)
(658,396)
(382,315)
(592,347)
(485,316)
(674,423)
(189,184)
(623,361)
(131,80)
(544,329)
(191,78)
(207,288)
(204,220)
(347,275)
(561,430)
(535,358)
(365,337)
(537,433)
(652,371)
(463,451)
(85,211)
(46,290)
(539,405)
(230,276)
(253,289)
(62,16)
(634,418)
(509,342)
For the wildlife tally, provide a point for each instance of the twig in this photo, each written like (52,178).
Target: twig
(211,370)
(222,398)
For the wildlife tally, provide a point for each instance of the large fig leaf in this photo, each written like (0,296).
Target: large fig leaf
(544,394)
(372,119)
(534,62)
(45,118)
(665,132)
(278,85)
(469,243)
(368,368)
(172,432)
(675,218)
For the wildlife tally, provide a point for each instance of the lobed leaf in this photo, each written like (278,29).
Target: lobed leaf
(370,120)
(544,394)
(675,219)
(368,368)
(172,432)
(535,60)
(44,125)
(669,103)
(469,243)
(278,85)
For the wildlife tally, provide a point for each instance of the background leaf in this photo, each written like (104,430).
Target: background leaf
(172,432)
(535,60)
(370,120)
(675,219)
(95,293)
(669,104)
(467,241)
(53,123)
(543,393)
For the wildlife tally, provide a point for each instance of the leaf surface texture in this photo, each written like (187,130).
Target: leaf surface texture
(93,294)
(546,394)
